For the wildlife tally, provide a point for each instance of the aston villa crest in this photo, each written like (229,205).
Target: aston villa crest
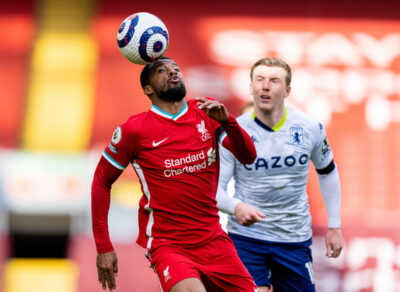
(296,135)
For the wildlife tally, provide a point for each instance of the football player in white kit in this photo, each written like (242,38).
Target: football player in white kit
(270,221)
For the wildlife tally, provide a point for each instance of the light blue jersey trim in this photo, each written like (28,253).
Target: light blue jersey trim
(112,161)
(222,137)
(168,115)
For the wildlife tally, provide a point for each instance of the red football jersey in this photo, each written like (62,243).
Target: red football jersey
(177,162)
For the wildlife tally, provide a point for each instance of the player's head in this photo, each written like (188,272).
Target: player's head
(270,84)
(163,79)
(273,62)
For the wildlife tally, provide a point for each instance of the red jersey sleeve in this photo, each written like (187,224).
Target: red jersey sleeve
(116,157)
(104,176)
(234,138)
(123,146)
(237,141)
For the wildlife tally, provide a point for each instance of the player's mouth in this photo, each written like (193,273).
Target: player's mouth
(174,79)
(265,97)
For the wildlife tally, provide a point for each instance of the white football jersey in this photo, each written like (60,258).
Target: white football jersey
(276,181)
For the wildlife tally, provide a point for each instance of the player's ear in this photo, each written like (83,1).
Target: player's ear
(148,90)
(288,89)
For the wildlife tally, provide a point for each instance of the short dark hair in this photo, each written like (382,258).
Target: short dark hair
(149,69)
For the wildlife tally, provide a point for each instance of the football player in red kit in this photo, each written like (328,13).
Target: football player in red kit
(173,148)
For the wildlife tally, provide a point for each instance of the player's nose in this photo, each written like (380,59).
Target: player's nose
(266,85)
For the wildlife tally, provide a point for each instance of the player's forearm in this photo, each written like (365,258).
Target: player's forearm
(239,143)
(104,177)
(226,203)
(330,189)
(100,207)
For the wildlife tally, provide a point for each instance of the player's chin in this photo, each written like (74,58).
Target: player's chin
(264,106)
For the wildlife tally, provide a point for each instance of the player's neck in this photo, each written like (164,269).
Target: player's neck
(171,107)
(270,118)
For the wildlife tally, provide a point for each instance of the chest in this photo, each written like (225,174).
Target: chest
(284,151)
(187,144)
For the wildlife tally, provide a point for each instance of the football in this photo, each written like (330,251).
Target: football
(142,38)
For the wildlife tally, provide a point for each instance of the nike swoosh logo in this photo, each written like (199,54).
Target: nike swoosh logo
(155,144)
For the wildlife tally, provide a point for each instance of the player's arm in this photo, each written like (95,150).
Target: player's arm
(245,214)
(106,261)
(329,182)
(104,176)
(328,176)
(225,202)
(237,140)
(330,188)
(114,160)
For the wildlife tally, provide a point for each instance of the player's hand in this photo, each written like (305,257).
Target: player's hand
(247,214)
(334,242)
(213,108)
(107,269)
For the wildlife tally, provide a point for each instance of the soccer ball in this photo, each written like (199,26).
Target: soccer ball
(142,38)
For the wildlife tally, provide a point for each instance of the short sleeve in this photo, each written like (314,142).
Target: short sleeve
(322,154)
(122,147)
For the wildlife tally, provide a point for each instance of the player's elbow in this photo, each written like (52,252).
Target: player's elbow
(248,157)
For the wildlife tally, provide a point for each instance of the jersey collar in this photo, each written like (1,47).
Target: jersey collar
(274,128)
(168,115)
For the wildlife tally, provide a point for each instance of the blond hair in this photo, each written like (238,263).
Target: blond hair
(273,62)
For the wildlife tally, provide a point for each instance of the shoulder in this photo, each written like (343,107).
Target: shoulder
(192,107)
(308,124)
(245,119)
(136,124)
(136,120)
(191,103)
(306,120)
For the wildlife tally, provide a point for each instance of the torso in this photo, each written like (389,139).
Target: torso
(170,155)
(276,181)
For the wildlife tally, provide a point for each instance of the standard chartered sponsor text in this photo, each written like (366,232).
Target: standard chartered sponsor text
(187,159)
(190,158)
(187,169)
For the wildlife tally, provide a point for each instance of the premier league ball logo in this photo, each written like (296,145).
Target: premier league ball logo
(142,38)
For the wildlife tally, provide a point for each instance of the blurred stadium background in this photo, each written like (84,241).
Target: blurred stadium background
(64,87)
